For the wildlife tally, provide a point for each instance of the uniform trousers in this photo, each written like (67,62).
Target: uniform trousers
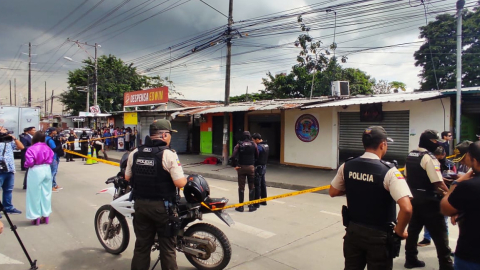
(71,147)
(260,184)
(39,192)
(151,218)
(246,173)
(364,246)
(426,212)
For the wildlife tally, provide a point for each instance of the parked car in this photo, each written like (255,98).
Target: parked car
(78,132)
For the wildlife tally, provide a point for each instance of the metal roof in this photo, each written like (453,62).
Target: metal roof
(384,98)
(466,90)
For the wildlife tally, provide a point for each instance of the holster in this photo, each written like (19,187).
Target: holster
(173,225)
(345,216)
(394,242)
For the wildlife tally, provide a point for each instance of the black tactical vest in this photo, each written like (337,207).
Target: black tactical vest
(417,177)
(150,180)
(84,139)
(246,153)
(263,155)
(369,203)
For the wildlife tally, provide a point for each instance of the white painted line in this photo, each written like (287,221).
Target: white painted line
(277,201)
(330,213)
(224,189)
(7,260)
(242,227)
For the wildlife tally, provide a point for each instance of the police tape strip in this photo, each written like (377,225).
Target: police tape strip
(92,158)
(102,138)
(269,198)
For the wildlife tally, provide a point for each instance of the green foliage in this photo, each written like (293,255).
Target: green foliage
(440,36)
(114,79)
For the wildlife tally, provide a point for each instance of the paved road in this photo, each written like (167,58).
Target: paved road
(302,232)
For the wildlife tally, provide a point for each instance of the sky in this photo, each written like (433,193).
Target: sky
(150,34)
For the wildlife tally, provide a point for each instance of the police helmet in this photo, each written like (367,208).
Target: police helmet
(196,190)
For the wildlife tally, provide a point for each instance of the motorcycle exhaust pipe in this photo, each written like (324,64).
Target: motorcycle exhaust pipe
(196,253)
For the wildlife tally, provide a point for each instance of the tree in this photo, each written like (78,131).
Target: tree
(440,46)
(114,79)
(384,87)
(397,86)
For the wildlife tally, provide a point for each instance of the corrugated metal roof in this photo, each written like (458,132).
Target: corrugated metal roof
(464,90)
(398,97)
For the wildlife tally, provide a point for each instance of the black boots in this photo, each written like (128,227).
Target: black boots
(251,197)
(414,263)
(241,195)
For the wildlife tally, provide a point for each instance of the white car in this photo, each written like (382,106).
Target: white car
(78,132)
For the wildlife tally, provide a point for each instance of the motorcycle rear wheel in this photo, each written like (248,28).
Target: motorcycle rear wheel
(220,258)
(119,233)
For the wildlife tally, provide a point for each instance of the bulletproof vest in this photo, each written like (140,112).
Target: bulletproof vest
(417,177)
(263,155)
(246,153)
(369,203)
(150,180)
(71,138)
(84,138)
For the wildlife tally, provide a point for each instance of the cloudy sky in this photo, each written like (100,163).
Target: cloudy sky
(157,36)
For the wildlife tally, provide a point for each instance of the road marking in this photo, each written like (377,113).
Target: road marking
(242,227)
(224,189)
(276,201)
(7,260)
(330,213)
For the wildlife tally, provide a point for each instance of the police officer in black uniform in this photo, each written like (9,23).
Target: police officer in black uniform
(246,152)
(155,173)
(373,187)
(425,180)
(83,141)
(70,145)
(260,168)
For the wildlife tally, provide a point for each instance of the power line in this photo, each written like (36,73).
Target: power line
(214,9)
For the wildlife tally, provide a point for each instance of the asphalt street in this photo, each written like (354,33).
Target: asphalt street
(301,232)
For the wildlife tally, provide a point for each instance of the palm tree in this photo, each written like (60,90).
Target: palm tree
(397,85)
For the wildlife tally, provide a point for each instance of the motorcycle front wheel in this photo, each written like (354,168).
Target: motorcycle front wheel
(218,259)
(118,235)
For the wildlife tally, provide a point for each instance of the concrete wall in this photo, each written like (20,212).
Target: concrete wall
(323,151)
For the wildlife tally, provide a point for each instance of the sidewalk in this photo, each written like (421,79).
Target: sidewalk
(278,176)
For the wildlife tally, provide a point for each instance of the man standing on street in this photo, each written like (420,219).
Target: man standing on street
(83,141)
(71,145)
(7,173)
(425,181)
(26,140)
(247,153)
(447,137)
(260,169)
(50,140)
(373,188)
(155,173)
(462,202)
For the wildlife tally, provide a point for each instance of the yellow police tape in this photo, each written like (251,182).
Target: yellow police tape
(102,138)
(97,159)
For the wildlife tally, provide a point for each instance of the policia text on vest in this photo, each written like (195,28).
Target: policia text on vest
(373,187)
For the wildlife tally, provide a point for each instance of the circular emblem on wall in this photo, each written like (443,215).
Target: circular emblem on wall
(307,128)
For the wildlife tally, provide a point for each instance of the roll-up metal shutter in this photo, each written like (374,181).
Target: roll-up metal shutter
(180,139)
(396,124)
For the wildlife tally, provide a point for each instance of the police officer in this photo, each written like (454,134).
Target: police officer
(260,168)
(246,152)
(70,145)
(155,172)
(372,186)
(83,141)
(425,181)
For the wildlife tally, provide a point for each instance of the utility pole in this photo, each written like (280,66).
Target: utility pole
(45,98)
(460,4)
(15,89)
(10,92)
(226,122)
(29,74)
(51,104)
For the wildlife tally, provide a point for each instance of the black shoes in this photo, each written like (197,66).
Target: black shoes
(425,242)
(252,208)
(409,264)
(239,209)
(263,203)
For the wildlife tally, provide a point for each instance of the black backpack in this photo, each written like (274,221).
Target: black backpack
(58,148)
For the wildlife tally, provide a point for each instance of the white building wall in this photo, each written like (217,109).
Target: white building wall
(323,151)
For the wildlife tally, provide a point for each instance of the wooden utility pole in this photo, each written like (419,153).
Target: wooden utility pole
(45,98)
(10,92)
(226,121)
(15,89)
(29,74)
(51,103)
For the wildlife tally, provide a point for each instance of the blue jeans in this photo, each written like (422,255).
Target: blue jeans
(6,182)
(426,233)
(54,168)
(460,264)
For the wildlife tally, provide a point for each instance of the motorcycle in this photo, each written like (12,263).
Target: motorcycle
(205,246)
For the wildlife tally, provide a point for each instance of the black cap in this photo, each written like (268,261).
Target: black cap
(432,135)
(246,133)
(461,150)
(50,129)
(257,136)
(376,132)
(161,124)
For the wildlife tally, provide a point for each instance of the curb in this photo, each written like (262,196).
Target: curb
(235,179)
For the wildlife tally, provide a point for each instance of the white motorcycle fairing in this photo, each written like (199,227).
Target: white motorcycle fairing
(122,204)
